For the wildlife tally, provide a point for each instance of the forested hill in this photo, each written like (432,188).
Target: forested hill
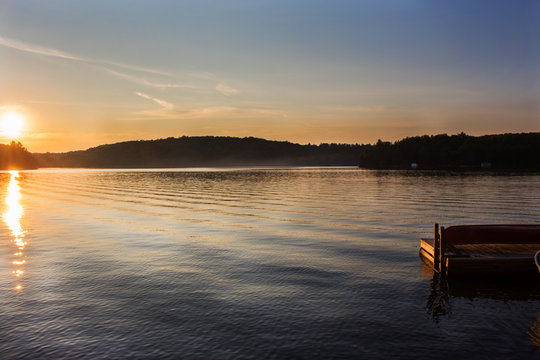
(207,151)
(456,152)
(15,157)
(505,151)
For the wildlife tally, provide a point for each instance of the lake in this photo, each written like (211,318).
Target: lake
(297,263)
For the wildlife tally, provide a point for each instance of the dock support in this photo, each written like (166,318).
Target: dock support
(436,239)
(442,248)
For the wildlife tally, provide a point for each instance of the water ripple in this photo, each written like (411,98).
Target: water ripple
(254,263)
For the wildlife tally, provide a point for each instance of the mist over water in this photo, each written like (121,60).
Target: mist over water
(255,263)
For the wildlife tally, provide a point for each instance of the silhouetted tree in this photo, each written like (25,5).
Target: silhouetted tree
(505,151)
(15,157)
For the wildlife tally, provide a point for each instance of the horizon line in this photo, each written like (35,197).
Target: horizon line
(274,140)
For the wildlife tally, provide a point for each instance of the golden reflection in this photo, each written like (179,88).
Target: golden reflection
(12,217)
(17,273)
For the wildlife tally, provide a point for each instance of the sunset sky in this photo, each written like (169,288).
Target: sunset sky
(84,73)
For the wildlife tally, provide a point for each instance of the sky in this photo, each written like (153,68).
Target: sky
(84,73)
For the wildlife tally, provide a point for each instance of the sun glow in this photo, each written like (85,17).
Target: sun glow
(12,124)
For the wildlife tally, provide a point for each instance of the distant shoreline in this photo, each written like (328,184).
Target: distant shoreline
(411,172)
(187,152)
(461,152)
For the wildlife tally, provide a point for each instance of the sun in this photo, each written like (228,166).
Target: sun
(12,124)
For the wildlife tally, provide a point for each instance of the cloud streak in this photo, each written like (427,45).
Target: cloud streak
(226,90)
(46,51)
(177,114)
(108,67)
(209,112)
(36,49)
(142,81)
(166,105)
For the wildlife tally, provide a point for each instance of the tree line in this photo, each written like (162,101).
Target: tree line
(204,151)
(461,151)
(15,156)
(504,151)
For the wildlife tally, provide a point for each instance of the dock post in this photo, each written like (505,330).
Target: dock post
(442,247)
(436,247)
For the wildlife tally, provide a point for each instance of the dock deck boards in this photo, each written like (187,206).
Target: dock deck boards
(497,250)
(483,258)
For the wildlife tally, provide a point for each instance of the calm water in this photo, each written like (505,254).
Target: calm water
(290,263)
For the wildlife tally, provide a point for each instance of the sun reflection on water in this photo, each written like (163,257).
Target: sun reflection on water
(12,217)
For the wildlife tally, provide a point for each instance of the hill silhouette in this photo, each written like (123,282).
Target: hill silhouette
(15,157)
(456,152)
(504,151)
(204,151)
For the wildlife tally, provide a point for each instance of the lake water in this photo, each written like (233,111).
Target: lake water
(254,263)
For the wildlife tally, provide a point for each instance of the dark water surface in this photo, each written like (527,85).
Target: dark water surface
(290,263)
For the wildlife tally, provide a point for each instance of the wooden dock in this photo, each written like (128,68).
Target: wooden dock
(482,249)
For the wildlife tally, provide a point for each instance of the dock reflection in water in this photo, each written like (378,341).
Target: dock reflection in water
(12,217)
(446,290)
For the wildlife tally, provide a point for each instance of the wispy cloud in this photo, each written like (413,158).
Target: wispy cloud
(226,90)
(205,113)
(46,51)
(131,67)
(360,108)
(36,49)
(177,114)
(162,103)
(204,75)
(86,103)
(9,107)
(147,77)
(210,111)
(142,81)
